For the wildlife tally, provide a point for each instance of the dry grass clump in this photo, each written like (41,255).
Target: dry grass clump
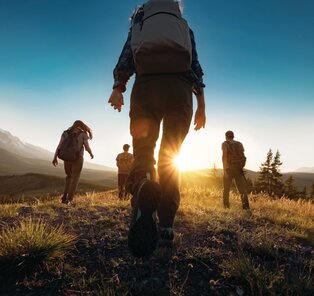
(30,244)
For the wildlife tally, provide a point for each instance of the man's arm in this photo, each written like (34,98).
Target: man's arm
(200,117)
(55,157)
(224,156)
(196,76)
(125,67)
(197,71)
(122,73)
(87,147)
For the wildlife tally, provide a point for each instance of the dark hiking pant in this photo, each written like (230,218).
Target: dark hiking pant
(73,171)
(240,180)
(121,184)
(157,99)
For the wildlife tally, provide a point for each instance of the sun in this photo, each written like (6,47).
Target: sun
(181,162)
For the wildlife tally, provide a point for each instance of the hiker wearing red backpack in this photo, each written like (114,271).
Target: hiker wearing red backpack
(160,50)
(233,160)
(71,150)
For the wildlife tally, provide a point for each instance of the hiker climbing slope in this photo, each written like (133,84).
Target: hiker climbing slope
(71,150)
(161,51)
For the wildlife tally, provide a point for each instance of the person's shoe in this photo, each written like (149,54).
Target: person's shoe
(64,198)
(143,235)
(71,203)
(166,236)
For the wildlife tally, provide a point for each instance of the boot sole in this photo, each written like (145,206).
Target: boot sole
(143,234)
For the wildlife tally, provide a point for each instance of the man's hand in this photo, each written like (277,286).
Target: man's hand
(116,99)
(199,118)
(55,161)
(91,155)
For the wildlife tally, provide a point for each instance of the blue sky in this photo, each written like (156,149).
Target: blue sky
(57,57)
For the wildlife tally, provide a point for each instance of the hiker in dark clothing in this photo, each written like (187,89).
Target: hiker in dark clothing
(81,133)
(162,91)
(124,161)
(233,160)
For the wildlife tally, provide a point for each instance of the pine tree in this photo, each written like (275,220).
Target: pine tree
(263,183)
(290,188)
(312,191)
(249,185)
(269,179)
(277,184)
(303,193)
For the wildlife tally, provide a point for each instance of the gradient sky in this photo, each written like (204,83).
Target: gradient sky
(57,57)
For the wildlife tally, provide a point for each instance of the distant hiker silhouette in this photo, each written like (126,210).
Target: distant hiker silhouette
(71,151)
(124,161)
(160,50)
(233,160)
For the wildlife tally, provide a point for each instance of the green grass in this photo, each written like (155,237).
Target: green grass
(268,251)
(30,244)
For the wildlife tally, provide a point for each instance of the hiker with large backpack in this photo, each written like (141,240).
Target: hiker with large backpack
(233,160)
(71,150)
(160,50)
(124,162)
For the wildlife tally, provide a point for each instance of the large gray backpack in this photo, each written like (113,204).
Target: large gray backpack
(161,41)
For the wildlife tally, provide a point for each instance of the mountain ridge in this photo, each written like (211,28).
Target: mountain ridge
(14,145)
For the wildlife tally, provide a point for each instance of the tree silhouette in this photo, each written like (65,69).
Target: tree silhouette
(290,188)
(277,184)
(263,182)
(269,179)
(303,193)
(249,185)
(312,191)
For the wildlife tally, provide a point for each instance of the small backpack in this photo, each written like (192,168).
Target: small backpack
(70,148)
(161,41)
(125,162)
(236,157)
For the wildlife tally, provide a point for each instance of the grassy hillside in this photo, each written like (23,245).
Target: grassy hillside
(29,186)
(61,250)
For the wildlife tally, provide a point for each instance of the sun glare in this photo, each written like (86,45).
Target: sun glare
(181,163)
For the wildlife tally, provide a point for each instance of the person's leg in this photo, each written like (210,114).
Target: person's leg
(175,128)
(242,188)
(145,118)
(68,172)
(75,176)
(120,185)
(227,180)
(178,113)
(125,193)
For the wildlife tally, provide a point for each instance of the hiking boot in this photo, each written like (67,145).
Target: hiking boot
(71,203)
(143,235)
(64,198)
(166,236)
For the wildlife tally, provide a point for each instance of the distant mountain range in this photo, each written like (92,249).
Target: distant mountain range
(306,170)
(15,146)
(18,158)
